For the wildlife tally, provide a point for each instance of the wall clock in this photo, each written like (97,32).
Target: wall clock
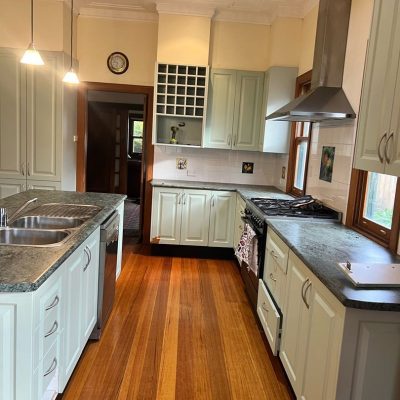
(117,62)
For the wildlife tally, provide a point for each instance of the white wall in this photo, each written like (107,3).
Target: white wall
(213,165)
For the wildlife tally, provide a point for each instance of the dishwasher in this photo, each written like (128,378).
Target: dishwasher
(107,271)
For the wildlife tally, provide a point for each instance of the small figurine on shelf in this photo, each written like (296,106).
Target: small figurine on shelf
(174,130)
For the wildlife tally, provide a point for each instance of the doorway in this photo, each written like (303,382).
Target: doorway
(115,154)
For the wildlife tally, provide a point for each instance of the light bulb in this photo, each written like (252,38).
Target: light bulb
(71,77)
(32,56)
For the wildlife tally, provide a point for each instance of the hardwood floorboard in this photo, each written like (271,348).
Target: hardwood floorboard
(181,328)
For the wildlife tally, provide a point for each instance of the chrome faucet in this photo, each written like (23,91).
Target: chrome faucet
(5,220)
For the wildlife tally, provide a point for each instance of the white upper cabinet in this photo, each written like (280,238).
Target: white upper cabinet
(234,110)
(377,147)
(279,89)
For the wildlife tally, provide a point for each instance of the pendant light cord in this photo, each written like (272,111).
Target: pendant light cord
(72,23)
(32,21)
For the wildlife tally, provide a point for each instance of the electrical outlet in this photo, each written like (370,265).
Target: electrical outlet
(283,174)
(181,163)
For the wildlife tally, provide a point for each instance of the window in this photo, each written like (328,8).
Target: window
(135,137)
(299,145)
(374,206)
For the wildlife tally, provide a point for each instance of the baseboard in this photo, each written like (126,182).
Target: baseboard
(192,251)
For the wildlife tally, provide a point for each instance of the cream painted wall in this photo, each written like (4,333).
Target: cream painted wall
(240,46)
(308,32)
(285,42)
(183,39)
(48,24)
(98,38)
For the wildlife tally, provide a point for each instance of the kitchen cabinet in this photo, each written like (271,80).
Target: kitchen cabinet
(239,224)
(378,132)
(234,110)
(180,100)
(38,123)
(222,219)
(80,288)
(279,88)
(192,217)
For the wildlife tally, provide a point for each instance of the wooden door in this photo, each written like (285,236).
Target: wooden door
(100,147)
(195,217)
(247,112)
(221,103)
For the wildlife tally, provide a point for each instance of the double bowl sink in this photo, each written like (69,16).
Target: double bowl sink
(46,230)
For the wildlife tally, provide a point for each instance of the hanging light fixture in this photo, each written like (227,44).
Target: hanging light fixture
(31,55)
(70,76)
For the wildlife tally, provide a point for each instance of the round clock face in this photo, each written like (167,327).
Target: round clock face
(117,62)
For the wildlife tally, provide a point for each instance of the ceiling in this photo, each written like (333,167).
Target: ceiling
(254,11)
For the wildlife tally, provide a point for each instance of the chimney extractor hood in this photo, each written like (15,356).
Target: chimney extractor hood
(326,100)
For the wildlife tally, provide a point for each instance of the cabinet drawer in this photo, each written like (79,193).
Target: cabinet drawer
(277,250)
(269,317)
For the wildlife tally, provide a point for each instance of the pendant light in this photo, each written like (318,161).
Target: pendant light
(70,76)
(31,55)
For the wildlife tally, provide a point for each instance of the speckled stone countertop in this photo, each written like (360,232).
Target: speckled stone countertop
(25,268)
(246,191)
(321,245)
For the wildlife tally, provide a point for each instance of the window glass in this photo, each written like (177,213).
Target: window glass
(379,199)
(138,128)
(300,169)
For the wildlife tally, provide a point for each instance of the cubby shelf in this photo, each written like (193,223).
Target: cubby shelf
(180,93)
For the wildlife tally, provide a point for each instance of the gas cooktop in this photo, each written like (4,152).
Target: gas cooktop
(303,207)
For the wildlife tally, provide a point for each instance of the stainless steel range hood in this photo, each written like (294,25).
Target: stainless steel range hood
(326,101)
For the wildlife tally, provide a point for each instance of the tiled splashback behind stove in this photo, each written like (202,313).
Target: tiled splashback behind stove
(213,165)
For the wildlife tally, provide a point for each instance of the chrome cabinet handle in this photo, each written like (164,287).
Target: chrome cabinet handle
(305,294)
(272,277)
(273,254)
(229,140)
(52,330)
(302,289)
(89,257)
(184,199)
(234,140)
(381,159)
(213,201)
(28,169)
(179,198)
(53,303)
(387,157)
(53,366)
(23,169)
(264,307)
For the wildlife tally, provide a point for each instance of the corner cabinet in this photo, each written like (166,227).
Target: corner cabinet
(279,88)
(192,217)
(234,110)
(37,125)
(180,101)
(378,133)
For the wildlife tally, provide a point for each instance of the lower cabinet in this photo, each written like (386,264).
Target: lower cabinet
(192,217)
(8,187)
(43,333)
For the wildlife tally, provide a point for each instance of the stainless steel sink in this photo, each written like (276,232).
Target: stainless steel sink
(33,237)
(44,222)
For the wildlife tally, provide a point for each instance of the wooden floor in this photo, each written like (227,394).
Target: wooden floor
(181,329)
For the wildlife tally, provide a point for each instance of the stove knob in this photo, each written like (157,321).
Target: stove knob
(247,211)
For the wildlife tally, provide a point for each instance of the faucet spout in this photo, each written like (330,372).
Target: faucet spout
(20,209)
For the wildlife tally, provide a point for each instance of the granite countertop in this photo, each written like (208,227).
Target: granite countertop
(321,245)
(246,191)
(25,268)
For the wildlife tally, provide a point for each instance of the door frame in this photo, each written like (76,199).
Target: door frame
(147,157)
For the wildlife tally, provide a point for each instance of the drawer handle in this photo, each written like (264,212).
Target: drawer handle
(53,366)
(89,257)
(272,277)
(264,307)
(305,294)
(274,255)
(54,303)
(52,330)
(302,289)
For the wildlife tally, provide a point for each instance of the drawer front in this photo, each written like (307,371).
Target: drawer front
(277,250)
(269,317)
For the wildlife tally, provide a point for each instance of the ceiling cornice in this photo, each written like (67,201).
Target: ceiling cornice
(181,8)
(246,17)
(119,13)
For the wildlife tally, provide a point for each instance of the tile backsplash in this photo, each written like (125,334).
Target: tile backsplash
(214,165)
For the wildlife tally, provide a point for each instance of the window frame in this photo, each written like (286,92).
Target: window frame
(301,82)
(355,213)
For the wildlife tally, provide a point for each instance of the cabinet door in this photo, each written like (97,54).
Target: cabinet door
(195,217)
(166,216)
(295,324)
(222,219)
(44,185)
(324,342)
(8,187)
(221,103)
(247,114)
(73,315)
(12,118)
(90,279)
(44,110)
(378,87)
